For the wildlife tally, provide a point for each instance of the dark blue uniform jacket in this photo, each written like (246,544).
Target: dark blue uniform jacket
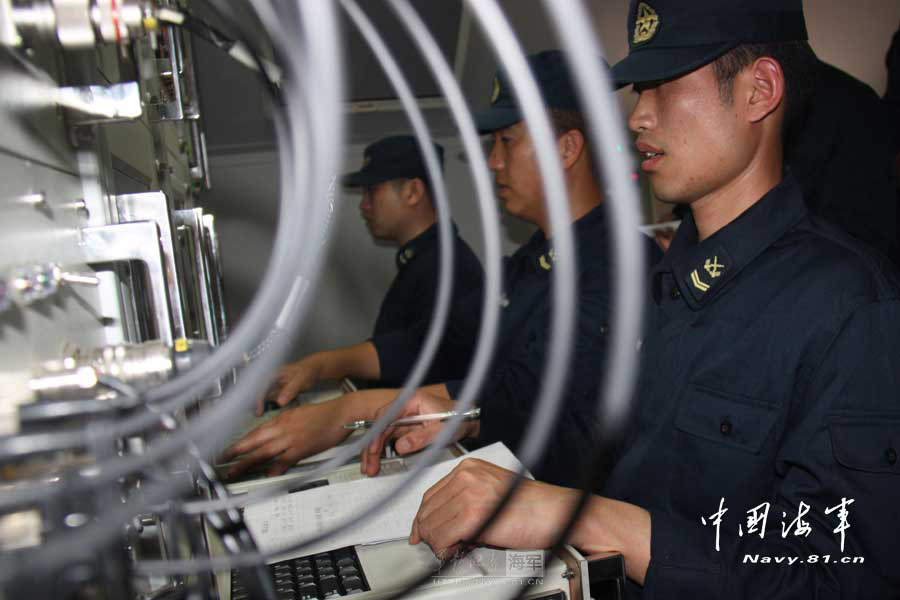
(405,312)
(770,376)
(508,398)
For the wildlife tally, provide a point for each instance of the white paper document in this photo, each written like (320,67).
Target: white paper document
(288,519)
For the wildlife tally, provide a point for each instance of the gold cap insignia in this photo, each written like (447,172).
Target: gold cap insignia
(496,91)
(366,160)
(645,24)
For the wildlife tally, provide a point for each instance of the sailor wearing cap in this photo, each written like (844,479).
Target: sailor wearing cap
(509,397)
(763,457)
(397,208)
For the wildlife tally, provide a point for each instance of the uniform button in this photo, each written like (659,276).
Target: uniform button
(725,427)
(675,293)
(891,455)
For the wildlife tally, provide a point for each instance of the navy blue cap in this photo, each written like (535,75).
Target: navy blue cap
(670,38)
(553,79)
(396,157)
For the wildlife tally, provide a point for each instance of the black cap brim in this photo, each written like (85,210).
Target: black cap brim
(496,118)
(363,178)
(659,64)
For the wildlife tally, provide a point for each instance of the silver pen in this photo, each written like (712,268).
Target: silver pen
(469,415)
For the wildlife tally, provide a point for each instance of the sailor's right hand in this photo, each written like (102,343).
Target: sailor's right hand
(296,433)
(412,438)
(292,379)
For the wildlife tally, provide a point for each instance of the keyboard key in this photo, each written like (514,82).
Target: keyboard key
(302,563)
(329,587)
(307,592)
(348,572)
(326,572)
(353,584)
(345,553)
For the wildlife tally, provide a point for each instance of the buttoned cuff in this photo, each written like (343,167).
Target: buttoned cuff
(684,562)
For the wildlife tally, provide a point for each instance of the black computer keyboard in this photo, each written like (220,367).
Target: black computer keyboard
(324,575)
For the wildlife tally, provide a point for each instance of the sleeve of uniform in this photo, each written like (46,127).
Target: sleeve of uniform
(398,349)
(509,398)
(840,442)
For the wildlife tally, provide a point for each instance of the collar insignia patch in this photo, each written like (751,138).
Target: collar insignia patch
(713,267)
(699,283)
(546,260)
(405,256)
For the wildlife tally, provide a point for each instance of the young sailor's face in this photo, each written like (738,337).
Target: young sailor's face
(689,139)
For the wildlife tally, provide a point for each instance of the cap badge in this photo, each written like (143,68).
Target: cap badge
(714,268)
(366,160)
(495,93)
(645,24)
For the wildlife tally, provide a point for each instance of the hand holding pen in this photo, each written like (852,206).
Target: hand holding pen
(428,411)
(469,415)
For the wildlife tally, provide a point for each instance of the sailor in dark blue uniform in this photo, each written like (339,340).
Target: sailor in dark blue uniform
(508,397)
(405,312)
(397,208)
(763,457)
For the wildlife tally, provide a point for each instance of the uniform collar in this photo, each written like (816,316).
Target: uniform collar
(701,269)
(542,253)
(408,252)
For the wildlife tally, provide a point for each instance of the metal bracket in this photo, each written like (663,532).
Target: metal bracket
(190,222)
(176,74)
(154,206)
(134,242)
